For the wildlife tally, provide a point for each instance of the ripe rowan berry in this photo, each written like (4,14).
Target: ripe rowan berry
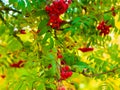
(22,32)
(3,76)
(86,49)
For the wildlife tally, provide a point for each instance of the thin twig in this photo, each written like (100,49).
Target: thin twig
(2,18)
(98,74)
(9,9)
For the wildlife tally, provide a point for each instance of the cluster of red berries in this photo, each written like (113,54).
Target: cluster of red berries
(65,72)
(18,64)
(86,49)
(113,11)
(104,28)
(54,11)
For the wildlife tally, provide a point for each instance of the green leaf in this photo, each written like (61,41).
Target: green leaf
(18,85)
(40,12)
(51,56)
(21,5)
(67,29)
(76,85)
(113,51)
(13,44)
(75,20)
(80,66)
(107,16)
(73,32)
(13,1)
(52,71)
(47,35)
(98,60)
(69,58)
(2,29)
(51,86)
(23,87)
(43,24)
(111,22)
(51,43)
(28,6)
(43,27)
(41,86)
(27,44)
(85,1)
(119,18)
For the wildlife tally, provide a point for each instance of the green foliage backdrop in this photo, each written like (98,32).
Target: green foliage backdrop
(33,52)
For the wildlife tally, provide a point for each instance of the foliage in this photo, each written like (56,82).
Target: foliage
(37,42)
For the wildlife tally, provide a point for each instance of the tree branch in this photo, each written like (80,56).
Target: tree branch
(1,2)
(2,18)
(9,9)
(55,35)
(98,74)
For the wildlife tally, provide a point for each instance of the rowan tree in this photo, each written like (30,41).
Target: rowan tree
(45,42)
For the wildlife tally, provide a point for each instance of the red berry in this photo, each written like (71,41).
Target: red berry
(50,50)
(22,32)
(65,72)
(21,63)
(38,31)
(49,66)
(102,23)
(59,55)
(70,73)
(14,65)
(3,76)
(113,8)
(113,13)
(67,68)
(47,8)
(86,49)
(63,62)
(18,64)
(99,27)
(101,2)
(62,74)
